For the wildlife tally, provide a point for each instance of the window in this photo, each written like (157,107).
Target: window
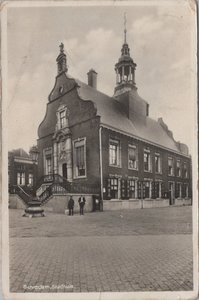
(186,190)
(21,178)
(147,161)
(157,185)
(62,117)
(48,161)
(114,153)
(185,171)
(146,189)
(179,190)
(132,188)
(30,179)
(48,165)
(132,157)
(158,163)
(114,188)
(170,166)
(178,168)
(80,158)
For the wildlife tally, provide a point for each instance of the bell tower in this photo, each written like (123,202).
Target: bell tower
(125,68)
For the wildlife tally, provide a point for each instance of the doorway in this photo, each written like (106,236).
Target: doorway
(64,170)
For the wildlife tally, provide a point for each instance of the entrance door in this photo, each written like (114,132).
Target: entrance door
(64,170)
(171,192)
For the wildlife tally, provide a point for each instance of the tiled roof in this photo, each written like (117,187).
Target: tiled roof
(112,115)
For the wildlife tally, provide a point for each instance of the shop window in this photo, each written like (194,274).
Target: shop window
(80,158)
(114,153)
(132,157)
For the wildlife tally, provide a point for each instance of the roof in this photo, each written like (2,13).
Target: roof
(112,115)
(20,153)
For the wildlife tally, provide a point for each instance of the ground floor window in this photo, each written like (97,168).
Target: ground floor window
(132,185)
(21,178)
(186,190)
(157,189)
(30,179)
(179,190)
(146,189)
(113,188)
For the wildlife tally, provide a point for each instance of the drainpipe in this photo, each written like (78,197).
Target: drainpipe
(101,171)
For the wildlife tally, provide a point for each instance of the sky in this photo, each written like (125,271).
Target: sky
(161,43)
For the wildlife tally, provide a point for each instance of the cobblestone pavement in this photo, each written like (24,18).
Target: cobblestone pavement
(110,251)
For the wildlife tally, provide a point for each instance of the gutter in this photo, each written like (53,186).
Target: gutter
(101,171)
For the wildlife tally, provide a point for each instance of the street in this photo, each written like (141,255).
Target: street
(137,250)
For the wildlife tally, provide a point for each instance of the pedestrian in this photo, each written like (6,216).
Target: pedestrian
(81,204)
(71,206)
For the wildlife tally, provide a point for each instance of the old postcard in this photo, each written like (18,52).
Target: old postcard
(99,150)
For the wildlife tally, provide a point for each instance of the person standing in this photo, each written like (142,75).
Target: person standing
(71,206)
(82,202)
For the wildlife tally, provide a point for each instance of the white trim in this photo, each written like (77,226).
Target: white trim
(119,151)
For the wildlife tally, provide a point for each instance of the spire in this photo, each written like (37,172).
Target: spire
(61,60)
(125,67)
(125,30)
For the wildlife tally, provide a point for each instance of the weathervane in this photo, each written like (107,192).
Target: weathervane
(125,27)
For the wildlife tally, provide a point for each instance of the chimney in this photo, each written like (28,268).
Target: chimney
(92,78)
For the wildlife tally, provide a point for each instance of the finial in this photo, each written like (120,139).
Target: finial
(125,28)
(61,46)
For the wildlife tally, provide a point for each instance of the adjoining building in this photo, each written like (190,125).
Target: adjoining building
(109,145)
(22,167)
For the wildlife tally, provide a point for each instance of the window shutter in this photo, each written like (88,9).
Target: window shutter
(143,190)
(123,188)
(139,190)
(162,190)
(154,189)
(127,188)
(109,188)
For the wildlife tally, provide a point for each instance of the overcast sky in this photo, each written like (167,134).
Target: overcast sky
(160,44)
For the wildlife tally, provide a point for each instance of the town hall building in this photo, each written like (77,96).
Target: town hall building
(109,145)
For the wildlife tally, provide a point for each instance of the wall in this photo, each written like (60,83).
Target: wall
(134,204)
(59,203)
(140,173)
(15,202)
(83,122)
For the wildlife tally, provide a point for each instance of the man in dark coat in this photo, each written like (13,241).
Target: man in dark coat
(71,206)
(81,204)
